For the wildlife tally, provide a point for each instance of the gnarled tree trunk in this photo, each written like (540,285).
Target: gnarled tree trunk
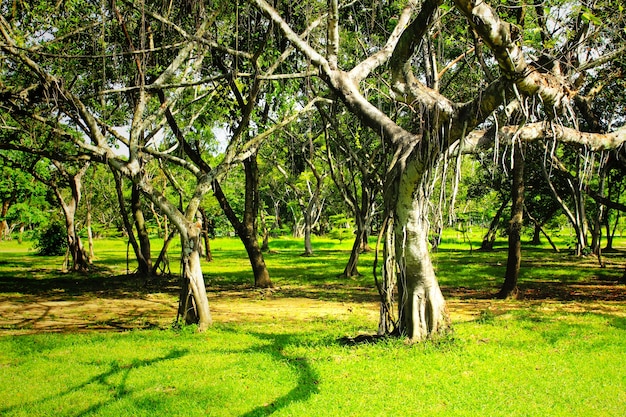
(422,312)
(80,259)
(193,303)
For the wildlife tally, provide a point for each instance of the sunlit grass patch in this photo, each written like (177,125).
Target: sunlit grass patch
(559,350)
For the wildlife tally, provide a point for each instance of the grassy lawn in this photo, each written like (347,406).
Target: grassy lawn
(102,344)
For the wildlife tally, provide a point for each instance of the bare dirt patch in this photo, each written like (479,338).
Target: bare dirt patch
(57,311)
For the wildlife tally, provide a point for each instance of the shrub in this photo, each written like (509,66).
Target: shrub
(52,241)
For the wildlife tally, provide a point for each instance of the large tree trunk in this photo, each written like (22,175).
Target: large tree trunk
(509,288)
(80,259)
(422,312)
(193,302)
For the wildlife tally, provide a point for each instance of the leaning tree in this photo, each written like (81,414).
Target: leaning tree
(522,81)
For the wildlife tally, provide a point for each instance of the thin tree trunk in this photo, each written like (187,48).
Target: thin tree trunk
(142,265)
(88,206)
(490,237)
(4,227)
(509,288)
(92,254)
(387,323)
(247,229)
(20,235)
(351,269)
(208,256)
(162,258)
(308,247)
(610,231)
(536,240)
(539,229)
(265,247)
(145,259)
(574,218)
(596,231)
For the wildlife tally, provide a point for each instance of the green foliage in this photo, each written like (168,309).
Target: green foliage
(342,227)
(52,240)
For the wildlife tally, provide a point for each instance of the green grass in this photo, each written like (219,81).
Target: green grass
(558,351)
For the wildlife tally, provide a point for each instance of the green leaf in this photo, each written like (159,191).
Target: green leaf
(589,17)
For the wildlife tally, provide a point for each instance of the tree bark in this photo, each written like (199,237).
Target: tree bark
(509,288)
(193,301)
(422,312)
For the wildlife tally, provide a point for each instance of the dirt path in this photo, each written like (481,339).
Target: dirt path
(28,314)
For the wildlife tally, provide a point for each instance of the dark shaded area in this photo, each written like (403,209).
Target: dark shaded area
(98,281)
(556,291)
(363,339)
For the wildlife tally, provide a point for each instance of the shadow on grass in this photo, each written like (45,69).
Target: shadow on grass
(118,390)
(23,276)
(275,346)
(544,275)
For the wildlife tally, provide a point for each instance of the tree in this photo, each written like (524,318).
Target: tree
(306,179)
(246,228)
(439,125)
(356,169)
(23,199)
(140,86)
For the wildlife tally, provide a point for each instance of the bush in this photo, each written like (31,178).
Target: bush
(52,241)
